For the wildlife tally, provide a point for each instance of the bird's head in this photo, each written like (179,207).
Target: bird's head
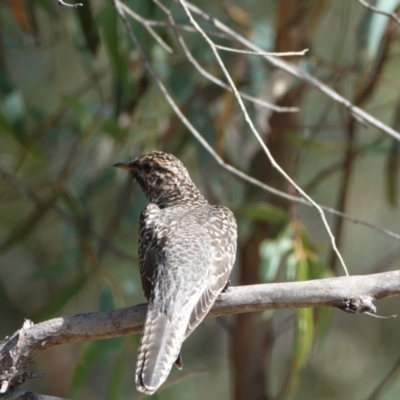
(162,177)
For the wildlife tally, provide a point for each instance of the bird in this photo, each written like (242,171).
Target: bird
(187,249)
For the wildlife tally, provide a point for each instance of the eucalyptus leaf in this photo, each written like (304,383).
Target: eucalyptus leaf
(109,26)
(378,24)
(89,27)
(272,253)
(13,107)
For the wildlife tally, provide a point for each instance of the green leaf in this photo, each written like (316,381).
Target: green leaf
(318,268)
(13,106)
(303,334)
(89,28)
(267,315)
(291,267)
(308,143)
(323,322)
(112,127)
(47,7)
(378,25)
(272,253)
(264,212)
(109,24)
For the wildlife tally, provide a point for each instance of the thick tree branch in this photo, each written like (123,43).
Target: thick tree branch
(351,293)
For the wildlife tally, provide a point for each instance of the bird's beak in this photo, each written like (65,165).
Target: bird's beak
(128,165)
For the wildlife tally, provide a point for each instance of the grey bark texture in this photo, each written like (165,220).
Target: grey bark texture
(353,294)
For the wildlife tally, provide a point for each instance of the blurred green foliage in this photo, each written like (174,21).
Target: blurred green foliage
(75,98)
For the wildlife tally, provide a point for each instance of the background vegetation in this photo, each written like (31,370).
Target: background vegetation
(75,98)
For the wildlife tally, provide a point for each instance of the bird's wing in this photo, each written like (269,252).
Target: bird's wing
(147,246)
(180,276)
(222,231)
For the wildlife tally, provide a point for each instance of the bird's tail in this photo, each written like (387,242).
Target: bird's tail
(159,349)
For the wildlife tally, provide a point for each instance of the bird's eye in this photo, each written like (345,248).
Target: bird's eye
(147,167)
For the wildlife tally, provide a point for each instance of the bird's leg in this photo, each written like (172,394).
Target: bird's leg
(226,286)
(179,362)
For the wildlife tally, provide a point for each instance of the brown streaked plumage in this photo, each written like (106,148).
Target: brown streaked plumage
(187,248)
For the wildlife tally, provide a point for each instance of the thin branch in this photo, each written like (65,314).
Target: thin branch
(323,174)
(378,11)
(200,69)
(357,112)
(164,24)
(148,27)
(212,152)
(360,222)
(63,3)
(188,124)
(361,95)
(353,294)
(258,136)
(263,53)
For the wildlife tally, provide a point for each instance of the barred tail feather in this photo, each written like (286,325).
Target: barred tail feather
(159,349)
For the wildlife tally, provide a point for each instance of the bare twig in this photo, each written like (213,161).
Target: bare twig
(356,112)
(63,3)
(212,152)
(148,27)
(164,24)
(187,123)
(258,136)
(323,174)
(263,53)
(378,11)
(199,68)
(360,222)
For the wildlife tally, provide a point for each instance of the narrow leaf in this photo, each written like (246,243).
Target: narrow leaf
(89,28)
(109,25)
